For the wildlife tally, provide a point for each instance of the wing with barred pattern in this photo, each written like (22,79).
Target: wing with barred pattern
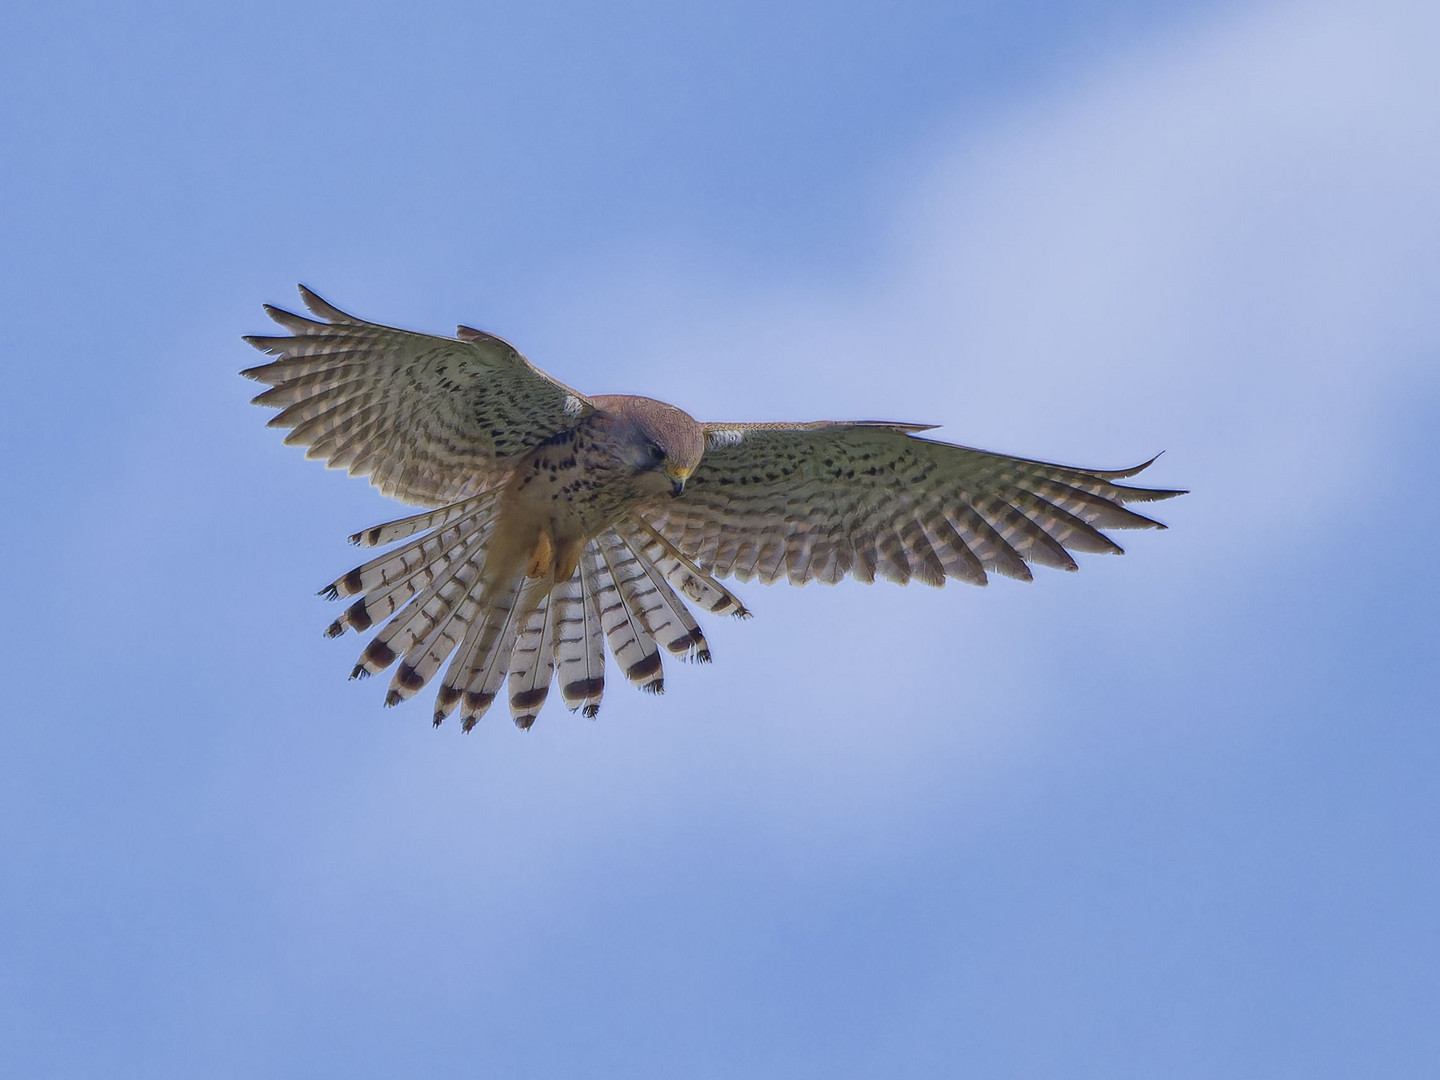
(431,420)
(822,501)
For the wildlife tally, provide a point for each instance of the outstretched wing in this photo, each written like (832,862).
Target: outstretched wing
(824,500)
(429,419)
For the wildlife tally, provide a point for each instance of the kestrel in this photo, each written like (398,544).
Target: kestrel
(559,522)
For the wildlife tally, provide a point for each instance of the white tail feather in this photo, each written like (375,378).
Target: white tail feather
(437,628)
(391,581)
(678,568)
(579,643)
(391,531)
(532,664)
(635,650)
(647,594)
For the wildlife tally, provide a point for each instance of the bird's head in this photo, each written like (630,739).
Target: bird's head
(658,440)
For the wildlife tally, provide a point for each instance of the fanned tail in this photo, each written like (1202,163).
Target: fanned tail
(444,602)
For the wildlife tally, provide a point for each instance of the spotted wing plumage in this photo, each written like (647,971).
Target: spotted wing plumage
(823,501)
(431,420)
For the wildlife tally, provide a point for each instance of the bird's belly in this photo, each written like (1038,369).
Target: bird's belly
(551,514)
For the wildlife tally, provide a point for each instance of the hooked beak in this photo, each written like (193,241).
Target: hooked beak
(677,480)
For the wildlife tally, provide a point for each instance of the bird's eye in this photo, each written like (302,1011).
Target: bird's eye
(656,454)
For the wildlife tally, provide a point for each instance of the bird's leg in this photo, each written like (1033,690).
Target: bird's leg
(542,557)
(567,556)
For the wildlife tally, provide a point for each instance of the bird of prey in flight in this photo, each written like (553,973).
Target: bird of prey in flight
(557,523)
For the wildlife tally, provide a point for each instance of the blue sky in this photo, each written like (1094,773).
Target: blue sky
(1174,815)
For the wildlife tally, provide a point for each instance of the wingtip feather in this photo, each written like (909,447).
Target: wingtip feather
(1134,470)
(318,305)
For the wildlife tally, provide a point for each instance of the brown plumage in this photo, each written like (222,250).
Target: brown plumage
(561,523)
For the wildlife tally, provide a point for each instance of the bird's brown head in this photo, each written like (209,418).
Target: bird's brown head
(659,440)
